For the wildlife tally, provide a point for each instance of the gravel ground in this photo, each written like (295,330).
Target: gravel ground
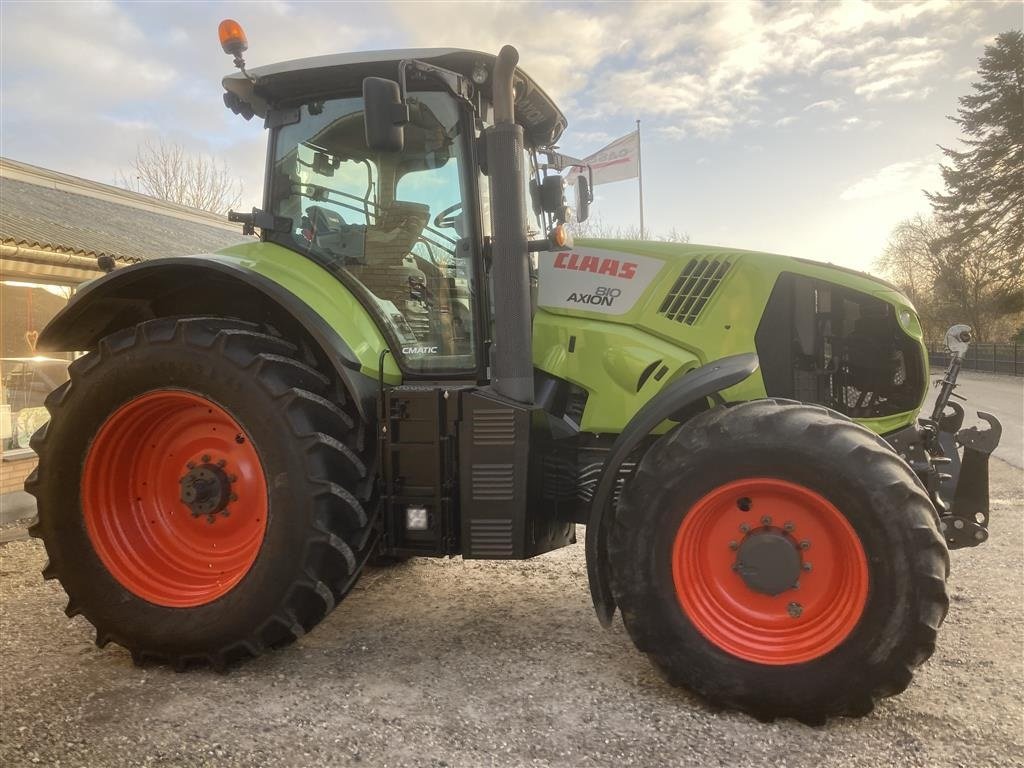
(452,663)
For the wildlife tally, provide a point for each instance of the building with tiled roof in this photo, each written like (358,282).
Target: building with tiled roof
(53,228)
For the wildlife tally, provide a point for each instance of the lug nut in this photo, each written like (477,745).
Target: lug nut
(734,545)
(788,526)
(807,566)
(191,465)
(221,463)
(206,458)
(744,528)
(794,610)
(805,544)
(766,520)
(233,497)
(232,478)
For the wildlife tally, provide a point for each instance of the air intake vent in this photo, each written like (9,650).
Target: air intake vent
(494,426)
(695,285)
(491,538)
(493,482)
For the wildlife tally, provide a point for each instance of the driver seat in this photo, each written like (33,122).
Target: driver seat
(386,269)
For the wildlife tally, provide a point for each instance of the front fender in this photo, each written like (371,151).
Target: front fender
(248,282)
(696,385)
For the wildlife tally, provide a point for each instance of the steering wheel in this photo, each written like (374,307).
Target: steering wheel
(445,220)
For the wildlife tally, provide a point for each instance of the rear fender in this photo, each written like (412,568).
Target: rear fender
(206,285)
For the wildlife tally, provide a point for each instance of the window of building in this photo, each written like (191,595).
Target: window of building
(26,375)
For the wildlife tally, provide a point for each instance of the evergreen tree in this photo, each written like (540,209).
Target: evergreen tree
(982,208)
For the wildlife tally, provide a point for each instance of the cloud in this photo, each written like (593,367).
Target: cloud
(892,75)
(674,132)
(123,73)
(591,138)
(827,105)
(896,179)
(711,67)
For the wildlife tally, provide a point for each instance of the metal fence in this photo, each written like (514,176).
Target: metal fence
(1007,359)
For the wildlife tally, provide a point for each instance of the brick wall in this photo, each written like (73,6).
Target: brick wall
(13,473)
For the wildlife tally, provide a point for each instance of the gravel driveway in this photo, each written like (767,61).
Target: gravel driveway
(452,663)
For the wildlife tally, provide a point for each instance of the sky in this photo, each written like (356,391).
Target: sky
(807,129)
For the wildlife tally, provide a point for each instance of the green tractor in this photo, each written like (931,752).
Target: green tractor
(415,361)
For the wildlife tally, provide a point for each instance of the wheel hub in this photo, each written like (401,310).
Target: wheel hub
(768,561)
(743,572)
(156,456)
(206,489)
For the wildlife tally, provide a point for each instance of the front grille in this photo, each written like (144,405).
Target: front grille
(692,289)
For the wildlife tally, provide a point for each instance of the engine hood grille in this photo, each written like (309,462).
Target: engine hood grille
(693,289)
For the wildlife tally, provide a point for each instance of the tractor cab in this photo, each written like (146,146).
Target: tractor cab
(389,194)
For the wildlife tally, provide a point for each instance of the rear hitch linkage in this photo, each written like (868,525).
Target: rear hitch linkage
(958,486)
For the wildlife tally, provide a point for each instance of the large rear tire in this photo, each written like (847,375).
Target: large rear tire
(200,496)
(779,559)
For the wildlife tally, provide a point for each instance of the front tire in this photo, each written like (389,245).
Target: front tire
(200,497)
(779,559)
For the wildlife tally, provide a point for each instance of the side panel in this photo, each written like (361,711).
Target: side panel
(620,367)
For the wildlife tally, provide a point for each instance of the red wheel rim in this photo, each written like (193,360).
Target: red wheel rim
(151,540)
(797,625)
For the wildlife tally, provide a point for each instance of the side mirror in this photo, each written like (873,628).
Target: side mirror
(384,114)
(584,197)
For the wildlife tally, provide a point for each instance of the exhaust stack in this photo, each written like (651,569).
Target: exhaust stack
(512,350)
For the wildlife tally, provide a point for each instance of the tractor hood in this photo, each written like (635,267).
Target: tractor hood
(291,82)
(851,278)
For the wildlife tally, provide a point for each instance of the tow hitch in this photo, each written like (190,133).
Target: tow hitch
(958,485)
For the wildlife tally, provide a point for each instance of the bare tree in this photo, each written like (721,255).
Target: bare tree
(165,170)
(948,283)
(595,228)
(675,235)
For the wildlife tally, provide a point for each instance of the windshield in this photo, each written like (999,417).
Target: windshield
(393,225)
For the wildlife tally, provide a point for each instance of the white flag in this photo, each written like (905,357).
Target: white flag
(618,161)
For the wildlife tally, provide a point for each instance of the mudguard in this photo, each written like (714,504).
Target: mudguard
(170,286)
(699,383)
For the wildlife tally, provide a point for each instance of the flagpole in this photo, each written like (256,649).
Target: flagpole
(640,178)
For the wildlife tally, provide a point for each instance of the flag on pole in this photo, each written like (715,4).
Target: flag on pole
(618,161)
